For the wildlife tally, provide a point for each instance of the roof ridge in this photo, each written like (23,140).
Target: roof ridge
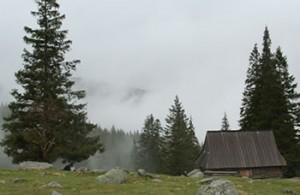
(236,131)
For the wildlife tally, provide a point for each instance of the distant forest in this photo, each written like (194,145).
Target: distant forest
(117,149)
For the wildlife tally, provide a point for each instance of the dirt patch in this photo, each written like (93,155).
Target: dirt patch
(295,179)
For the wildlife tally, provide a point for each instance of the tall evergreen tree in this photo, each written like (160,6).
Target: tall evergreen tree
(289,89)
(47,120)
(249,97)
(225,123)
(180,146)
(270,99)
(148,153)
(192,146)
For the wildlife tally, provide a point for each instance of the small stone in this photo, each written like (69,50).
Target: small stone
(2,182)
(52,184)
(18,180)
(156,180)
(289,191)
(55,193)
(143,173)
(196,173)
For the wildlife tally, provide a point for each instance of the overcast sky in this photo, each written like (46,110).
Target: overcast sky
(137,55)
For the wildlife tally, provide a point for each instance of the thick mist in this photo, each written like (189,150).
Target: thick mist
(117,153)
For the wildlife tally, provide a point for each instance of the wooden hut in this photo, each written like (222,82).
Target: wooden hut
(251,154)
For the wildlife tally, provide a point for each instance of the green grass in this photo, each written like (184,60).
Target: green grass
(265,186)
(86,184)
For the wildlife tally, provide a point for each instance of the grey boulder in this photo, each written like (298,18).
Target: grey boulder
(143,173)
(116,176)
(35,165)
(218,187)
(196,173)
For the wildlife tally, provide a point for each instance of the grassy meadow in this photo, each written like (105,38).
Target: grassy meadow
(85,184)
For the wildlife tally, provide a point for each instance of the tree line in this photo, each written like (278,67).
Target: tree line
(171,150)
(118,145)
(47,120)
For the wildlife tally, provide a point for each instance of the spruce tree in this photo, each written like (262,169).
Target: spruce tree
(249,97)
(180,146)
(48,120)
(270,99)
(225,123)
(288,127)
(192,145)
(289,86)
(148,153)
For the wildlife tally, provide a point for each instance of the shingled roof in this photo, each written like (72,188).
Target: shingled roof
(239,149)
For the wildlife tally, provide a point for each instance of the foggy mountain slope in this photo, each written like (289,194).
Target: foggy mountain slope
(115,103)
(113,92)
